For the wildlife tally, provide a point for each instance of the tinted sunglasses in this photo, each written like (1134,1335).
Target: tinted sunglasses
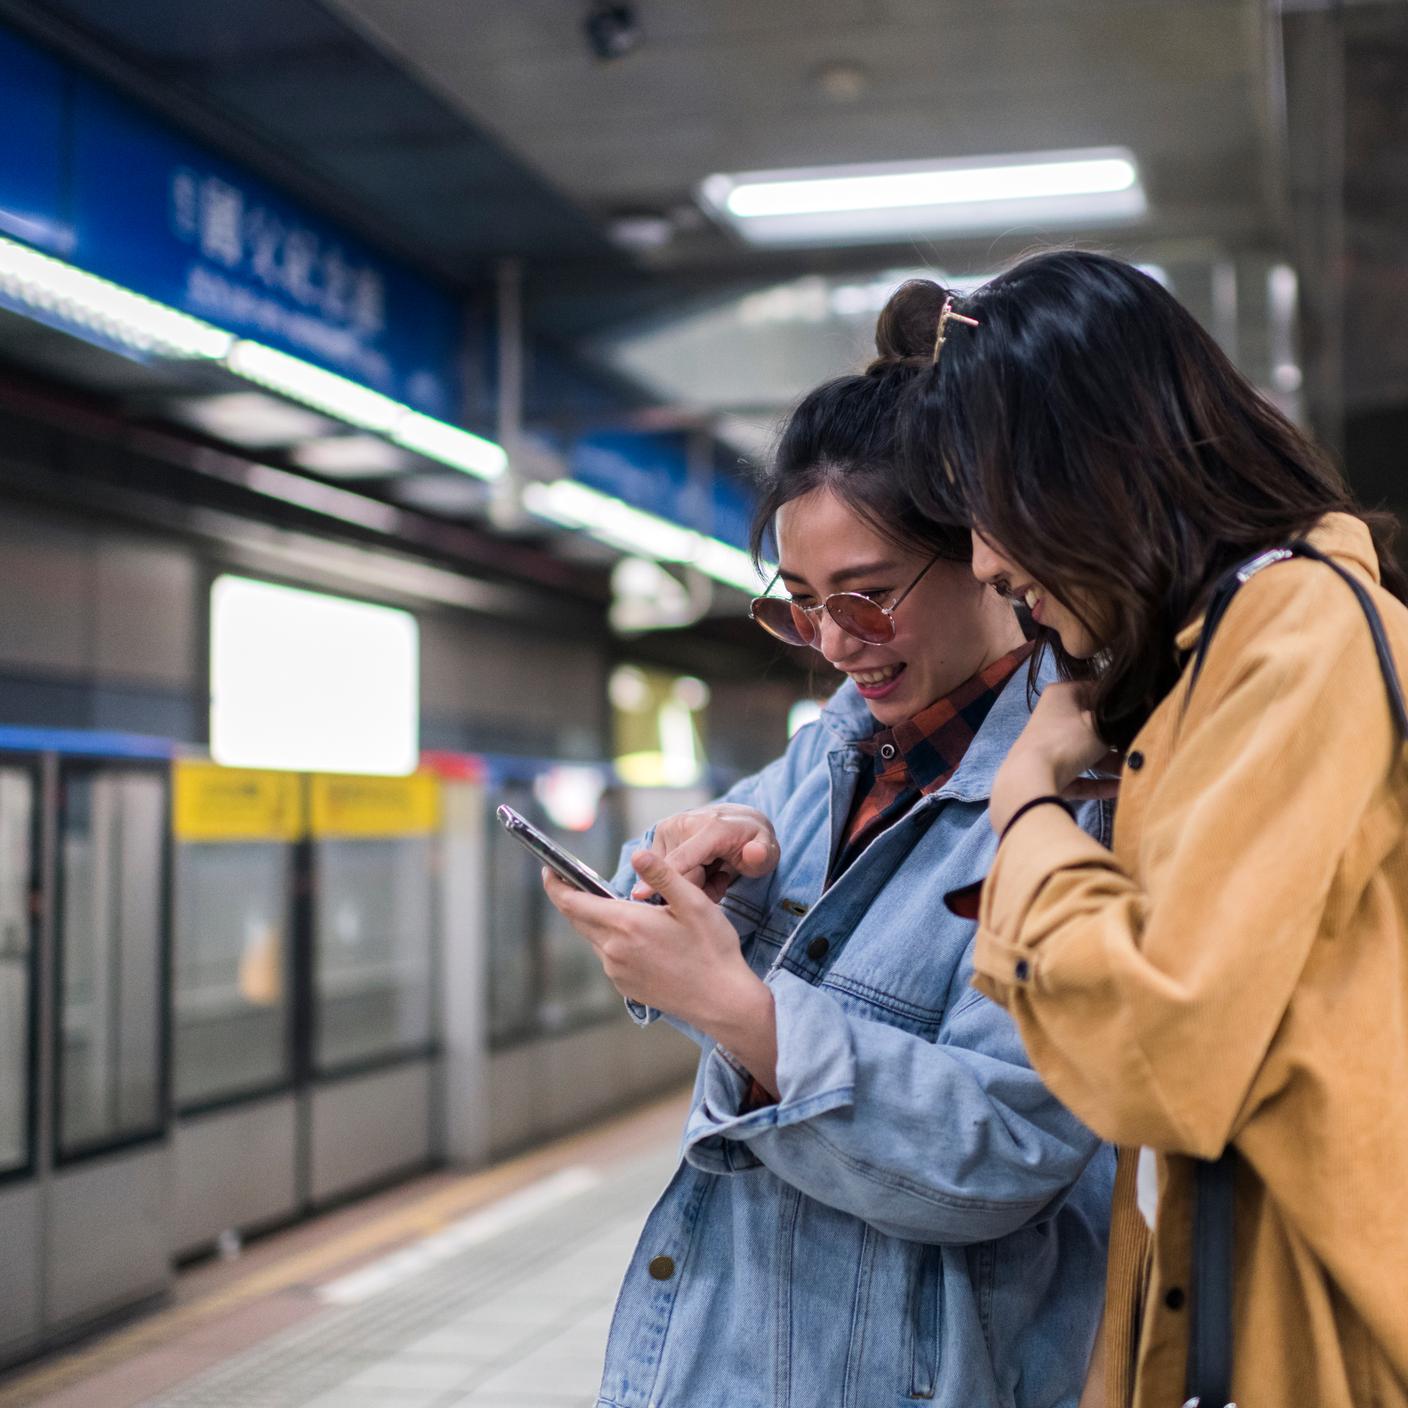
(858,615)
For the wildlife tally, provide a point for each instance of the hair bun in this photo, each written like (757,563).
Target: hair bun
(909,323)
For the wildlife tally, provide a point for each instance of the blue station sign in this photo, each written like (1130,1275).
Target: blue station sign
(96,180)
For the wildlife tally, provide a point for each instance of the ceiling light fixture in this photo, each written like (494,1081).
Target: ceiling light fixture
(631,530)
(449,445)
(49,288)
(358,405)
(896,200)
(52,291)
(322,390)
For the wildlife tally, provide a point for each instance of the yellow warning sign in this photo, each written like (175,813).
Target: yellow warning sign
(374,806)
(211,803)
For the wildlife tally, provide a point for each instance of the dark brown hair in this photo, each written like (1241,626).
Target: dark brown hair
(1103,440)
(845,436)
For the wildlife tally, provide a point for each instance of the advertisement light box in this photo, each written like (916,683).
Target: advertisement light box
(311,683)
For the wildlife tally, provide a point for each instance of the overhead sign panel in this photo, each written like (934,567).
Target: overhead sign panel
(32,147)
(96,180)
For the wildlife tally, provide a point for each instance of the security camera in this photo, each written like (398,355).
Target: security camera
(612,31)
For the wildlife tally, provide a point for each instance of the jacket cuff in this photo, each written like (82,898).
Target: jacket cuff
(1007,955)
(816,1073)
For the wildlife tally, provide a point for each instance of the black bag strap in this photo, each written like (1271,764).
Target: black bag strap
(1209,1381)
(1227,589)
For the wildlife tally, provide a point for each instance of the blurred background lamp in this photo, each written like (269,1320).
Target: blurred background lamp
(884,201)
(802,713)
(571,796)
(311,683)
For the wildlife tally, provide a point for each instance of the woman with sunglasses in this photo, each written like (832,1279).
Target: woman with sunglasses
(1230,984)
(878,1201)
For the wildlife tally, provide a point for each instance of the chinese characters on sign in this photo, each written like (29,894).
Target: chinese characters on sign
(340,303)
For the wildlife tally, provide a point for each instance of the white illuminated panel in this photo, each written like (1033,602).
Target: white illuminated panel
(882,201)
(311,683)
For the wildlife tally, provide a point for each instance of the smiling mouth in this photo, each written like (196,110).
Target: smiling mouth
(872,678)
(878,684)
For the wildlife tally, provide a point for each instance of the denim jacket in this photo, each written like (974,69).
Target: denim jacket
(916,1218)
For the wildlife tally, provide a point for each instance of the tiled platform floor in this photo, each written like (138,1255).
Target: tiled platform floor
(502,1306)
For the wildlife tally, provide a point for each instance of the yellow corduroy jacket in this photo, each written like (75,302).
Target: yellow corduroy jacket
(1236,970)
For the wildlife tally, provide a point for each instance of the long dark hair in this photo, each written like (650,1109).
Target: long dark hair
(1094,430)
(845,436)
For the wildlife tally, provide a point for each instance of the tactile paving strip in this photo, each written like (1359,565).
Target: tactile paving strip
(313,1359)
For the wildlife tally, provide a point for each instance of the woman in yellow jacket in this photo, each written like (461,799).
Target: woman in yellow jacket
(1234,974)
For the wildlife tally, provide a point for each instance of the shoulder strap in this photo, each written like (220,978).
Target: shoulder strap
(1376,628)
(1209,1382)
(1226,589)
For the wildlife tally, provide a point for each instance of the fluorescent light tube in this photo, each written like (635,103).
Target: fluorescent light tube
(631,530)
(360,406)
(48,288)
(610,520)
(459,449)
(54,289)
(322,390)
(895,200)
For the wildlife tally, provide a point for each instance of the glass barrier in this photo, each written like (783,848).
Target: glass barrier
(232,1005)
(543,976)
(373,949)
(17,792)
(112,827)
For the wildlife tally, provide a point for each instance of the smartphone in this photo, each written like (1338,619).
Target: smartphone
(575,872)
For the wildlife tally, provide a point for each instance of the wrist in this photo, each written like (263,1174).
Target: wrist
(741,1018)
(1019,780)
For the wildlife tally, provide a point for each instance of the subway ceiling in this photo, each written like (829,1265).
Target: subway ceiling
(468,131)
(464,133)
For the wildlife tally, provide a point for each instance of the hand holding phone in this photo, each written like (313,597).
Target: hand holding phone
(557,858)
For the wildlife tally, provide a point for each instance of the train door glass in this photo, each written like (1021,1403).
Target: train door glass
(517,906)
(373,948)
(17,793)
(543,976)
(574,989)
(112,828)
(232,982)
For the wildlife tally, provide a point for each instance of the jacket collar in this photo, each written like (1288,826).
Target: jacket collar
(1341,536)
(850,721)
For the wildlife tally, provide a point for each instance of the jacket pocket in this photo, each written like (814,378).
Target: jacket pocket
(925,1314)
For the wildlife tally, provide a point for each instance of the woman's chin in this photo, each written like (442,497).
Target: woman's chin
(1078,644)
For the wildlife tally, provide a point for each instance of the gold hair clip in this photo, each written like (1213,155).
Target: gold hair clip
(945,315)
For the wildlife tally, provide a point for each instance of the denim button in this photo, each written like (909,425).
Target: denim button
(887,751)
(662,1267)
(1022,971)
(818,949)
(1135,761)
(1174,1298)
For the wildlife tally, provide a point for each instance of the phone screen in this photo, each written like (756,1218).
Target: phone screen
(562,861)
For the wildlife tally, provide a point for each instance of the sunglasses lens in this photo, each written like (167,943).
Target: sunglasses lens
(778,618)
(860,617)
